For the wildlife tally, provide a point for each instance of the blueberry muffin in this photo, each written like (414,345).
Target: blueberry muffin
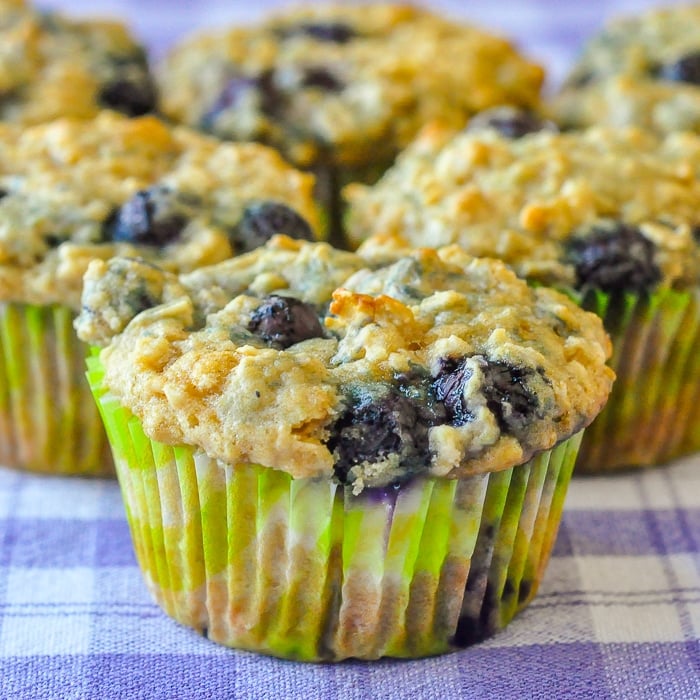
(73,190)
(55,66)
(639,70)
(610,216)
(341,89)
(323,460)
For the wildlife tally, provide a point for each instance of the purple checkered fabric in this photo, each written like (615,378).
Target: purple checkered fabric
(617,616)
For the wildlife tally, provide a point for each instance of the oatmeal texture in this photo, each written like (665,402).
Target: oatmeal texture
(438,364)
(53,66)
(345,84)
(546,203)
(72,191)
(642,70)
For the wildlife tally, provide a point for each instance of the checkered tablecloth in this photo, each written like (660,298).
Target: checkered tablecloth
(617,616)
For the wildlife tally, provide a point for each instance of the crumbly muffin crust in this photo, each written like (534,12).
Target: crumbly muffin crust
(642,70)
(530,201)
(349,84)
(55,66)
(438,364)
(73,190)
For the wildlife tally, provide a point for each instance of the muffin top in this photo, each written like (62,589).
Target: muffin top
(302,358)
(53,66)
(71,190)
(642,70)
(349,84)
(604,208)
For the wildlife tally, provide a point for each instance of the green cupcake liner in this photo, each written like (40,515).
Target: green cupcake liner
(48,419)
(303,569)
(653,413)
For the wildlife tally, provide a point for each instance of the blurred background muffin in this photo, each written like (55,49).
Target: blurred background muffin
(74,190)
(54,65)
(340,89)
(641,69)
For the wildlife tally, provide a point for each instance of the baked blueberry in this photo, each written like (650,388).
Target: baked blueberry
(685,70)
(510,122)
(151,217)
(612,258)
(377,425)
(331,32)
(321,78)
(131,89)
(448,385)
(283,321)
(239,88)
(509,396)
(262,220)
(132,97)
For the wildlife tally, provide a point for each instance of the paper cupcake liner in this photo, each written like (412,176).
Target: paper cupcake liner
(653,413)
(48,419)
(302,569)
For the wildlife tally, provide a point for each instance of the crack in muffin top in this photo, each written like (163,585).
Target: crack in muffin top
(339,83)
(641,70)
(73,190)
(548,204)
(52,65)
(303,358)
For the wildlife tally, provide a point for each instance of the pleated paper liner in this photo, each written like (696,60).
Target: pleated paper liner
(302,569)
(653,413)
(48,419)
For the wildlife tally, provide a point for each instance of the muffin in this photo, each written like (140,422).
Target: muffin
(340,89)
(74,190)
(609,216)
(323,460)
(641,70)
(55,66)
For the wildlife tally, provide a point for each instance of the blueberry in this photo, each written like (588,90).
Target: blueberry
(131,89)
(262,220)
(612,258)
(332,32)
(510,122)
(151,217)
(452,375)
(685,70)
(321,78)
(376,425)
(283,321)
(508,395)
(132,97)
(260,88)
(505,388)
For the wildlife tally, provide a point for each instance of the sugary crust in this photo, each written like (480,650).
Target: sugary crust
(520,200)
(54,66)
(402,67)
(618,79)
(63,180)
(209,382)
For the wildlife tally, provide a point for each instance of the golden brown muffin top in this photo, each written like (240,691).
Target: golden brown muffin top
(55,66)
(73,190)
(551,205)
(641,70)
(349,84)
(302,358)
